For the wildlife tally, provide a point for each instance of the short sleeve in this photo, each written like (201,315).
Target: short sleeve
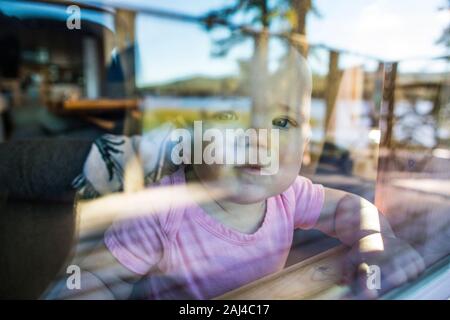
(136,243)
(105,163)
(309,199)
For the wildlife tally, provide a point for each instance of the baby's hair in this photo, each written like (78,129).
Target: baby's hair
(295,82)
(292,86)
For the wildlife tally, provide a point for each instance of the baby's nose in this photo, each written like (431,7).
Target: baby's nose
(260,138)
(260,118)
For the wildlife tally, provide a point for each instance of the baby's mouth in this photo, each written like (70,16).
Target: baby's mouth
(253,169)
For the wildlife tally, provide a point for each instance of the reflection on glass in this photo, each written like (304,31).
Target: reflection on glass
(92,120)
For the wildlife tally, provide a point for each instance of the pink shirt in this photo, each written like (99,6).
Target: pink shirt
(186,254)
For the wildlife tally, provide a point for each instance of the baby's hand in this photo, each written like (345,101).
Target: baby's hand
(395,259)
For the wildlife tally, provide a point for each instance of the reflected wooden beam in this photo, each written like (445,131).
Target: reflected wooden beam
(332,89)
(333,82)
(387,115)
(100,104)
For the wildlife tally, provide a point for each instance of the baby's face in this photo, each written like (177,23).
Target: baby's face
(278,143)
(280,112)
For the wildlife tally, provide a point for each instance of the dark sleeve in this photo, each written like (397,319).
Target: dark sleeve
(41,169)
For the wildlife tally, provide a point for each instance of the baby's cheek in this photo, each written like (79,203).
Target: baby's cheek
(289,165)
(290,151)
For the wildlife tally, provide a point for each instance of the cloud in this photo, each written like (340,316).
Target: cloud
(396,30)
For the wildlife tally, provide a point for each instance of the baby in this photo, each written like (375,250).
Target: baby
(200,250)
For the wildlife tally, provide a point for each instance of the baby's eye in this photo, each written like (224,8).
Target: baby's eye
(226,116)
(283,122)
